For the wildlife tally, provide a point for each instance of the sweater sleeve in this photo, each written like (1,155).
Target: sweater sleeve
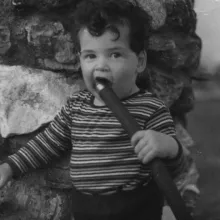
(162,121)
(46,146)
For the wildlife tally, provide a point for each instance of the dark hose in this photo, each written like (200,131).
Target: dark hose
(160,173)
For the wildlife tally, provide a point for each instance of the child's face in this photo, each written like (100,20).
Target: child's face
(112,59)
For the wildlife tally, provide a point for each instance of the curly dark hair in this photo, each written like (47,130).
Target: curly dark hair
(101,15)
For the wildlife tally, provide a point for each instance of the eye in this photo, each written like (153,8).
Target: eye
(89,56)
(116,55)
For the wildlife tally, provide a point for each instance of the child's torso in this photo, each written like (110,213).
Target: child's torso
(102,158)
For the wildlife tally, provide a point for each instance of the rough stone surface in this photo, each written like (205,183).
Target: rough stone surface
(34,97)
(45,42)
(172,51)
(42,194)
(165,86)
(29,199)
(157,11)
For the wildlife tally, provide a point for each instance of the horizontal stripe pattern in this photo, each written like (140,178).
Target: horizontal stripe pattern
(102,158)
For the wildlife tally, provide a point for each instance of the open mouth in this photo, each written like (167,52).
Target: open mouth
(104,81)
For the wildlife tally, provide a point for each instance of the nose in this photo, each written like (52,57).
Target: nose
(102,65)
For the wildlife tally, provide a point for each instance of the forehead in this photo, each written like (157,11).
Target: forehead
(106,40)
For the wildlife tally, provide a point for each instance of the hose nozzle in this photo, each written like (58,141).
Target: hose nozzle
(101,83)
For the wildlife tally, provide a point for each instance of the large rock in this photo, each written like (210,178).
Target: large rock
(30,199)
(44,43)
(30,98)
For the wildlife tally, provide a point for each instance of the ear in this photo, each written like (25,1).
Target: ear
(142,61)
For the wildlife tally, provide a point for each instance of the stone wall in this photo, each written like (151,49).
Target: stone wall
(34,38)
(37,36)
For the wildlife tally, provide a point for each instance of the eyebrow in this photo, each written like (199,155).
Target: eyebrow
(109,49)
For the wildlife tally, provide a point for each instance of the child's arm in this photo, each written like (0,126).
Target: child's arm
(159,141)
(45,147)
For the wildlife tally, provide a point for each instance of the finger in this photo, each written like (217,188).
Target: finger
(149,157)
(144,151)
(140,145)
(136,137)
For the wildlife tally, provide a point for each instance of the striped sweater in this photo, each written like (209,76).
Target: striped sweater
(102,158)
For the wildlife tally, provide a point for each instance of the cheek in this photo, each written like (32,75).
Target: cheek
(86,70)
(87,76)
(127,73)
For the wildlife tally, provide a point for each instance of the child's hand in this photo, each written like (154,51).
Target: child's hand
(5,174)
(149,144)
